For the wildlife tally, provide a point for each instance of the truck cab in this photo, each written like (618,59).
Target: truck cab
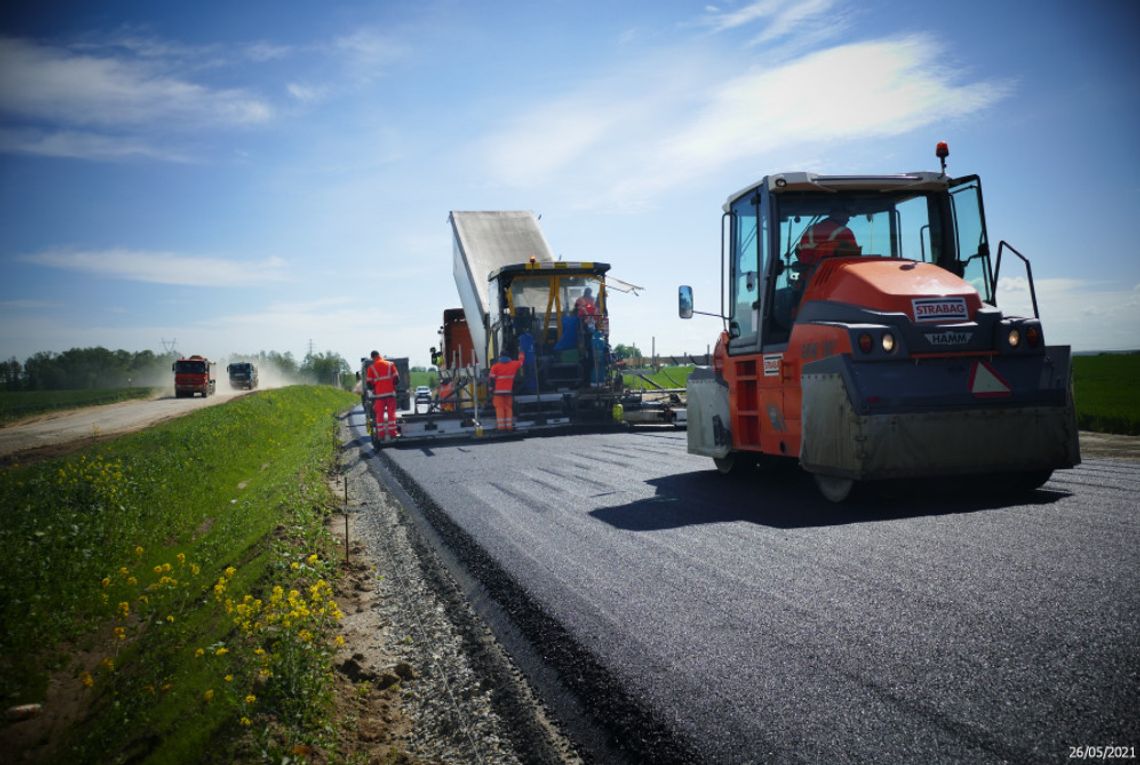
(192,376)
(863,337)
(243,375)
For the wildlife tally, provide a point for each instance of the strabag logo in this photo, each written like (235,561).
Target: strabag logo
(772,364)
(928,310)
(949,338)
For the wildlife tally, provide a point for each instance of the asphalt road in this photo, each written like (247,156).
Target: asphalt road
(713,619)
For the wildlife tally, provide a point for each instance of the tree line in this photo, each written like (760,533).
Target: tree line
(94,368)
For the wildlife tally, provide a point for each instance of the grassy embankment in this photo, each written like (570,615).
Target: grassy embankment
(176,581)
(15,405)
(1105,388)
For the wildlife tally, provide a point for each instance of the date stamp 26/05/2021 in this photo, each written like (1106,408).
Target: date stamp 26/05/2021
(1102,753)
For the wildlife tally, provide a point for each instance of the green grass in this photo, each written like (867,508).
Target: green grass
(238,485)
(429,379)
(666,377)
(1106,392)
(15,405)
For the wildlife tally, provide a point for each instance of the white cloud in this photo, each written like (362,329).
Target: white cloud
(42,82)
(266,51)
(645,135)
(306,94)
(366,54)
(1085,314)
(721,21)
(164,268)
(83,145)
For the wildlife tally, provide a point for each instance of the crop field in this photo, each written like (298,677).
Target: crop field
(177,580)
(1107,392)
(16,405)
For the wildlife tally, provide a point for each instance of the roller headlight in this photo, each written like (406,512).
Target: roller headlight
(888,342)
(1014,338)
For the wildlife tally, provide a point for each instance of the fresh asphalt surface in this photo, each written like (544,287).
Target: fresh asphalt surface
(749,620)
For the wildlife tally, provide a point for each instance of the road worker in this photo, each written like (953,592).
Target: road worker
(584,306)
(502,377)
(382,378)
(828,237)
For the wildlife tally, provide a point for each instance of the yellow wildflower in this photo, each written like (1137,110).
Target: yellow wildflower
(312,559)
(230,571)
(106,581)
(157,569)
(124,608)
(221,651)
(166,567)
(138,551)
(108,664)
(124,571)
(170,618)
(121,633)
(200,653)
(258,651)
(181,558)
(194,569)
(87,680)
(294,565)
(339,640)
(246,721)
(250,699)
(132,581)
(208,695)
(229,678)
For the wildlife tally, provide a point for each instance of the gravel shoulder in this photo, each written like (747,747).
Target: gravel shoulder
(439,686)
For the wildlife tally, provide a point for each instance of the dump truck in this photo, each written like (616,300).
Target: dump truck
(243,375)
(193,375)
(862,336)
(515,294)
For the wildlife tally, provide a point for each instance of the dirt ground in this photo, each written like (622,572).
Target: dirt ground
(65,431)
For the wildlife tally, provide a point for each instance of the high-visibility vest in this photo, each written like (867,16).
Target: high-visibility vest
(824,239)
(382,377)
(503,375)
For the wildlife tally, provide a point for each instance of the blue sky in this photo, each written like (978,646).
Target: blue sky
(255,176)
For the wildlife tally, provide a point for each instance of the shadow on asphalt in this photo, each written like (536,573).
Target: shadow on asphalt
(788,499)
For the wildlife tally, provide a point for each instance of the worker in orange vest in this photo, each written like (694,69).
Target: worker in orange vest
(502,376)
(382,379)
(828,237)
(446,396)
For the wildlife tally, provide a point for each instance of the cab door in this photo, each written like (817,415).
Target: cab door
(748,259)
(968,234)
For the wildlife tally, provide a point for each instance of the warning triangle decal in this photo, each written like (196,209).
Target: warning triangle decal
(985,382)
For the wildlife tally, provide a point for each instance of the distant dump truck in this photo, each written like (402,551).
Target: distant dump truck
(243,375)
(193,376)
